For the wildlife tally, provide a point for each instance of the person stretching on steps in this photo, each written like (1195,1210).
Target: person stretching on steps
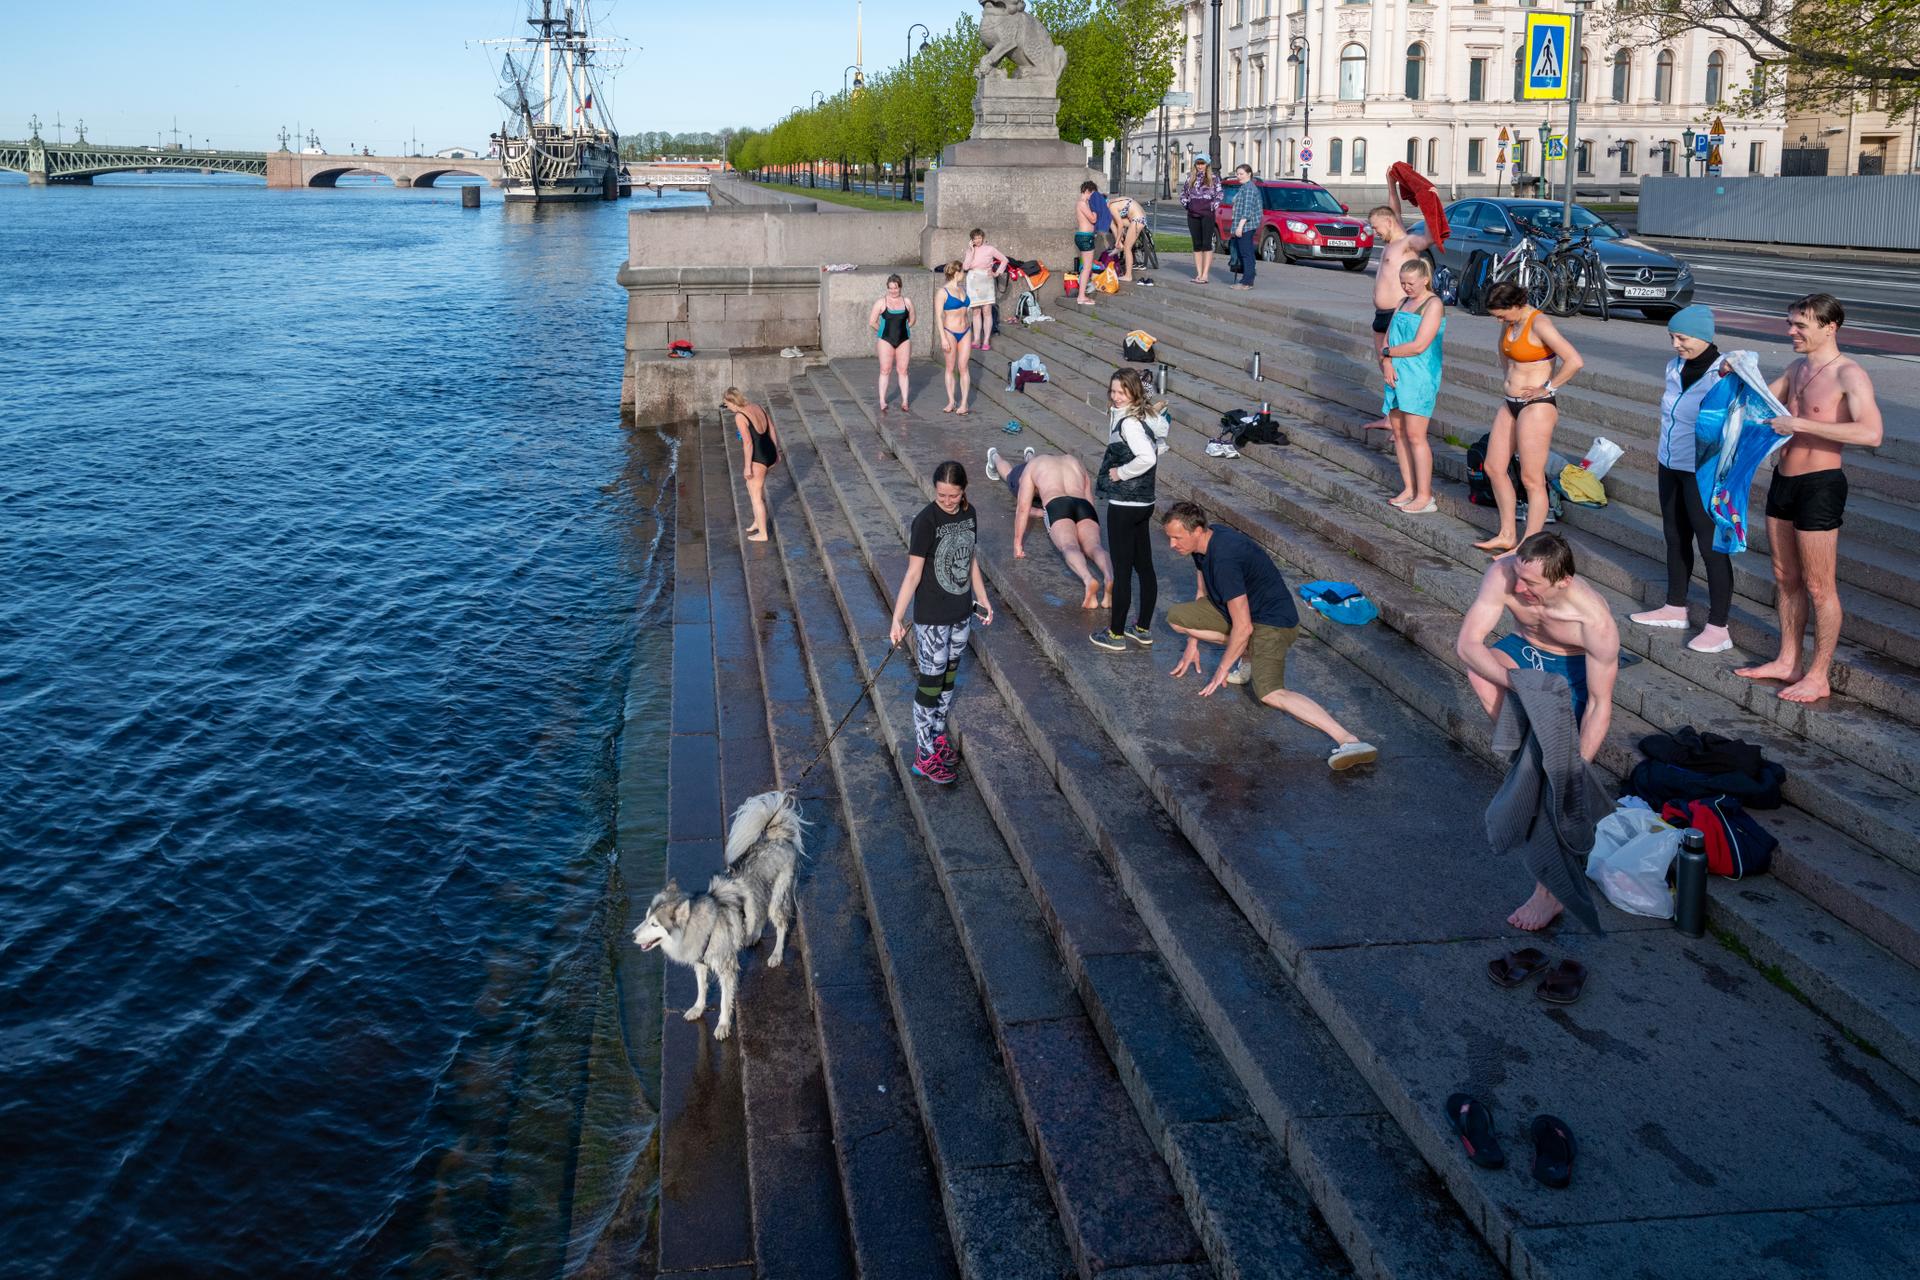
(944,588)
(892,320)
(1831,400)
(984,264)
(1539,361)
(956,337)
(1242,602)
(1135,433)
(760,449)
(1058,486)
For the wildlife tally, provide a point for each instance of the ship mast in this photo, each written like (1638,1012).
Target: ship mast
(571,56)
(546,22)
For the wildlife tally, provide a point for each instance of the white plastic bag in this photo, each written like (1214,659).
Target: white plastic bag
(1601,455)
(1632,851)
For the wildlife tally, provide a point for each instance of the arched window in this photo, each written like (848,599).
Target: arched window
(1663,76)
(1359,155)
(1413,152)
(1580,80)
(1333,156)
(1416,71)
(1433,155)
(1622,75)
(1353,73)
(1716,72)
(1519,73)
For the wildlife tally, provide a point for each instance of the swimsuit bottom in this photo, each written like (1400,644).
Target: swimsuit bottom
(1813,501)
(1013,479)
(1571,667)
(1065,508)
(1382,319)
(1084,241)
(1515,404)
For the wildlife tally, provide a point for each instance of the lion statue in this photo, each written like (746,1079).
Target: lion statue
(1014,35)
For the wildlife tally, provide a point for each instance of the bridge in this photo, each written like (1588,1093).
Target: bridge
(81,162)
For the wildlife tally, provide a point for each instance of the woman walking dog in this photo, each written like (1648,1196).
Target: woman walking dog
(943,587)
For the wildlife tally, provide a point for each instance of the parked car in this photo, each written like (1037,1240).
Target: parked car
(1302,220)
(1639,276)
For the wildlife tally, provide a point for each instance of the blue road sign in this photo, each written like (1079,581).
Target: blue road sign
(1548,35)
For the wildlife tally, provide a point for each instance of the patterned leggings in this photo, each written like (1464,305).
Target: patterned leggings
(936,652)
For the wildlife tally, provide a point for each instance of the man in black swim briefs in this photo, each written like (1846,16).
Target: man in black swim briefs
(1058,486)
(1397,247)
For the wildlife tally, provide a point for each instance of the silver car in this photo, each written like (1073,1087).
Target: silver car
(1639,276)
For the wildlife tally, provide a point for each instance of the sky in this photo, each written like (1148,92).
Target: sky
(232,74)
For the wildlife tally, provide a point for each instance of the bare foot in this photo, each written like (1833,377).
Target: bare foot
(1106,597)
(1378,424)
(1537,912)
(1811,689)
(904,409)
(755,531)
(1778,669)
(962,412)
(756,537)
(1091,596)
(883,408)
(1497,546)
(1400,499)
(949,408)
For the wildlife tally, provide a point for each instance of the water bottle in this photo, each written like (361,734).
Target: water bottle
(1253,367)
(1160,379)
(1690,885)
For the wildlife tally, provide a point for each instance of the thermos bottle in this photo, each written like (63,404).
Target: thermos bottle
(1253,367)
(1690,885)
(1160,379)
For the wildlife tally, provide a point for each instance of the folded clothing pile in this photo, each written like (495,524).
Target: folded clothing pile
(1341,601)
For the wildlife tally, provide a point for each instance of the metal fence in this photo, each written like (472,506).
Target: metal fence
(1856,213)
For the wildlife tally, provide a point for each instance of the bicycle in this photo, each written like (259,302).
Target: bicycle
(1522,265)
(1577,277)
(1145,252)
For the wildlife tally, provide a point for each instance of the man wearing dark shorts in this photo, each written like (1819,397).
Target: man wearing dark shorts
(1241,601)
(1830,404)
(1397,247)
(1086,237)
(1059,487)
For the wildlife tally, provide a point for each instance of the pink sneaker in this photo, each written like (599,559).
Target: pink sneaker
(934,769)
(946,751)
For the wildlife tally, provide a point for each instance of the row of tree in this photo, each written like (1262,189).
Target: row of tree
(655,144)
(1120,56)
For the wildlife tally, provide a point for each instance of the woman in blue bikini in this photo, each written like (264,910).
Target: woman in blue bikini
(956,336)
(892,323)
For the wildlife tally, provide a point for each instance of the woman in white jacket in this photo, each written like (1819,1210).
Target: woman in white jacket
(1126,482)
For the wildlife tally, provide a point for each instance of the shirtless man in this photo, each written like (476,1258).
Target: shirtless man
(1831,402)
(1058,487)
(1397,248)
(1085,238)
(1560,625)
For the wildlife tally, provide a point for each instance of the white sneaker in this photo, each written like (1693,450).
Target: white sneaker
(1347,755)
(1027,453)
(993,457)
(1242,672)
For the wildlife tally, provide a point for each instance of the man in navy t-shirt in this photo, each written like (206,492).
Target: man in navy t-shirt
(1242,602)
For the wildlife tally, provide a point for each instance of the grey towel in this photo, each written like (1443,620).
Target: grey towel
(1546,809)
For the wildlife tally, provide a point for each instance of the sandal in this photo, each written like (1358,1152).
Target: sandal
(1563,983)
(1473,1122)
(1552,1152)
(1515,967)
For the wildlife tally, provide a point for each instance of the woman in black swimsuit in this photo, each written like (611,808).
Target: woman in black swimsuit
(892,320)
(760,445)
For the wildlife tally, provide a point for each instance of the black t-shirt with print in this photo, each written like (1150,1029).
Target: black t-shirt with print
(945,594)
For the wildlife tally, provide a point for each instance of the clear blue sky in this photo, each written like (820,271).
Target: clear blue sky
(375,73)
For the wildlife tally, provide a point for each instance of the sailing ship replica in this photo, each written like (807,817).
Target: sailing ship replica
(574,157)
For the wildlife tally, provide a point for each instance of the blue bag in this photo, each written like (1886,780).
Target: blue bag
(1341,601)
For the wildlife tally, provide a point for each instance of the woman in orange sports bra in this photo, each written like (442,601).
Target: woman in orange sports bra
(1539,361)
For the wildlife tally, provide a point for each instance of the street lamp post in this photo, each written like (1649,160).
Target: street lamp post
(1301,55)
(906,180)
(859,82)
(1573,112)
(819,97)
(1213,138)
(1545,131)
(1686,145)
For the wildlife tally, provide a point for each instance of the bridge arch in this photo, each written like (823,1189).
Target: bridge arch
(429,177)
(330,176)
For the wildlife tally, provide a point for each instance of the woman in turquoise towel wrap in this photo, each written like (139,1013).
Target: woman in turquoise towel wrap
(1410,362)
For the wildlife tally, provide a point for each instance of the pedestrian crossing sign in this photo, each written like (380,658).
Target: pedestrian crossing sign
(1549,35)
(1557,147)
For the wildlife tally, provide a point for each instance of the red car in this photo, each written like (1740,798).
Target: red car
(1304,221)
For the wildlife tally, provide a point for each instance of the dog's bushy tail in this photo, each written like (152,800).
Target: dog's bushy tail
(773,813)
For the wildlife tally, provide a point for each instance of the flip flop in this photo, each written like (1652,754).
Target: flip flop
(1552,1151)
(1515,967)
(1473,1122)
(1013,427)
(1563,983)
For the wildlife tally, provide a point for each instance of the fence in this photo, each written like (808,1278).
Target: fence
(1857,213)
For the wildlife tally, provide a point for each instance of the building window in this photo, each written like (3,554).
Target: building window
(1476,155)
(1413,153)
(1716,72)
(1622,75)
(1626,159)
(1586,159)
(1477,80)
(1519,72)
(1416,71)
(1663,76)
(1259,145)
(1580,77)
(1353,73)
(1241,10)
(1359,156)
(1333,156)
(1433,155)
(1756,158)
(1666,159)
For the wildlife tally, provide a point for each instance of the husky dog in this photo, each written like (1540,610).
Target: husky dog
(710,929)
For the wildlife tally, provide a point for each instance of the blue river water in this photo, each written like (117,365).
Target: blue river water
(324,564)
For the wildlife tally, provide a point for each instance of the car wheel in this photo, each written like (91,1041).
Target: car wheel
(1270,247)
(1355,264)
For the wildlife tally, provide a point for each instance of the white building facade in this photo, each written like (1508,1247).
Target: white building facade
(1434,84)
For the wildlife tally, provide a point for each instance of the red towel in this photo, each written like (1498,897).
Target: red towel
(1412,186)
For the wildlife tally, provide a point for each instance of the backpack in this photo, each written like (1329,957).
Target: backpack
(1473,282)
(1250,426)
(1026,308)
(1479,488)
(1159,426)
(1737,846)
(1137,347)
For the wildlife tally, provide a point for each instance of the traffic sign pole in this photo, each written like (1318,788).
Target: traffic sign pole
(1573,118)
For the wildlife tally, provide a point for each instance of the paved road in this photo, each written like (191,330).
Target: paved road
(1880,299)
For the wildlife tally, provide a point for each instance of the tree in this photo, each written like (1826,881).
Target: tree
(1807,53)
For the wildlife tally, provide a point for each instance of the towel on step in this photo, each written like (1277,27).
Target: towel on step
(1546,810)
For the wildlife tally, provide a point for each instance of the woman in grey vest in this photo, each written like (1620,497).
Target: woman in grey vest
(1126,482)
(1690,375)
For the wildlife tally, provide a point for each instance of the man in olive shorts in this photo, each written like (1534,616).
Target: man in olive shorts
(1242,602)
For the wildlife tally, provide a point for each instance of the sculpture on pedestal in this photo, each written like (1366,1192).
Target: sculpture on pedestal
(1013,34)
(1024,100)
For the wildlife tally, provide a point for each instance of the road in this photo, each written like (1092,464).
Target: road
(1753,288)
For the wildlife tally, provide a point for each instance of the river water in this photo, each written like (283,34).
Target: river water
(324,564)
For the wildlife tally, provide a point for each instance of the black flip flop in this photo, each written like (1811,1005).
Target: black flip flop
(1552,1151)
(1473,1121)
(1515,967)
(1563,983)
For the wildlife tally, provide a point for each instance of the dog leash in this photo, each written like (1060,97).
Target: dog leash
(860,697)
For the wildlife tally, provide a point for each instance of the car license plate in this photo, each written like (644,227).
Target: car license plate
(1638,291)
(1341,244)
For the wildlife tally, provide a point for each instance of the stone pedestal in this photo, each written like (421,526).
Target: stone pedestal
(1020,191)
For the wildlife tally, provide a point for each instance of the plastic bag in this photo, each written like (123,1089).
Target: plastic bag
(1632,851)
(1601,456)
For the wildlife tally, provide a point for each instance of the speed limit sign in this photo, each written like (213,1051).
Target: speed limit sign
(1306,150)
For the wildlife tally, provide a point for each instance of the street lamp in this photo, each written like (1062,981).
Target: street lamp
(1301,56)
(928,35)
(1686,145)
(859,77)
(1213,138)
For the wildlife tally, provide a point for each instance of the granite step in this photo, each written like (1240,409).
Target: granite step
(893,1221)
(1058,790)
(1107,1171)
(1888,683)
(1867,906)
(1392,966)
